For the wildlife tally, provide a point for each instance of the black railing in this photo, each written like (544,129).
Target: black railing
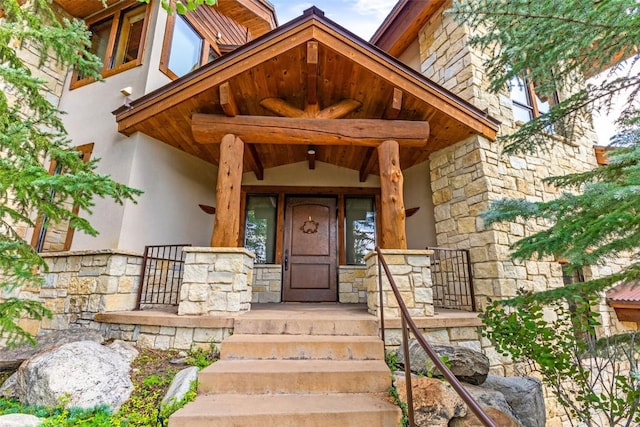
(161,276)
(408,325)
(451,279)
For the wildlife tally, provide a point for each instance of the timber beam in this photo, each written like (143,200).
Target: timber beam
(210,128)
(255,164)
(281,107)
(226,227)
(393,232)
(227,101)
(368,162)
(393,109)
(336,111)
(312,72)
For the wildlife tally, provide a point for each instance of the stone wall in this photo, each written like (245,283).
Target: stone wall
(352,288)
(468,176)
(165,332)
(267,283)
(216,281)
(81,284)
(410,270)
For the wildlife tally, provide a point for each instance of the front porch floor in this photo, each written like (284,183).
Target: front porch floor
(441,318)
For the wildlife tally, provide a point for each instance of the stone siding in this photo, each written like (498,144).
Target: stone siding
(81,284)
(166,337)
(352,288)
(411,273)
(216,281)
(267,283)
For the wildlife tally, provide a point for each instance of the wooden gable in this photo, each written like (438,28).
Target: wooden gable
(310,65)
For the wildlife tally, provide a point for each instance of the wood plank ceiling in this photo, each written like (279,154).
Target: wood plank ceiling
(308,60)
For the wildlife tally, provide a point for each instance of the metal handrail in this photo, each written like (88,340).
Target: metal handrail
(408,321)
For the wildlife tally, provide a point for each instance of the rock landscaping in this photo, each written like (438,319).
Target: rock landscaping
(509,401)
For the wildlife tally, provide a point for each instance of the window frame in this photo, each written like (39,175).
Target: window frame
(532,98)
(284,191)
(84,151)
(165,56)
(116,13)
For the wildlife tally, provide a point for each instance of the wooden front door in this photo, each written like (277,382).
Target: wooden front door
(310,250)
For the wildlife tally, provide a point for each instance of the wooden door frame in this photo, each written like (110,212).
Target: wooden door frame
(281,192)
(293,200)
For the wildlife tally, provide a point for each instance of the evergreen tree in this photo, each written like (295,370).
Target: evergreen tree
(556,44)
(31,135)
(597,217)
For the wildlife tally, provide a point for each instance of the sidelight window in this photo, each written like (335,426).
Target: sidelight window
(260,227)
(360,228)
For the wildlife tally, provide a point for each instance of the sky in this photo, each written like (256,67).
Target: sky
(362,17)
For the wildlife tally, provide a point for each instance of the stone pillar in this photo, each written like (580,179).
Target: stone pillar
(411,273)
(216,281)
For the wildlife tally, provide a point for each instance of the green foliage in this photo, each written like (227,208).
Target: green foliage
(182,6)
(62,416)
(391,358)
(555,338)
(31,134)
(393,392)
(201,357)
(555,44)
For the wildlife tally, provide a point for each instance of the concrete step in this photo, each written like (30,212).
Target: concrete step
(307,325)
(302,347)
(284,410)
(294,376)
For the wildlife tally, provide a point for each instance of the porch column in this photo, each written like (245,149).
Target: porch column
(393,234)
(226,228)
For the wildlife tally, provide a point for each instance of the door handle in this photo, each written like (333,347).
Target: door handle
(286,259)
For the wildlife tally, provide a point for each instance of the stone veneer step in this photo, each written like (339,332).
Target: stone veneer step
(302,347)
(284,410)
(295,376)
(300,367)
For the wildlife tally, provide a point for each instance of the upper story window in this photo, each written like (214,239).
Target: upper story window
(117,36)
(184,49)
(527,104)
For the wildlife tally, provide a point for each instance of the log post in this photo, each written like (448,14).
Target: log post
(393,234)
(226,228)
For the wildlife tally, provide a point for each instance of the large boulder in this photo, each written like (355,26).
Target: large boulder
(86,373)
(493,403)
(435,402)
(466,364)
(10,359)
(180,385)
(524,396)
(19,420)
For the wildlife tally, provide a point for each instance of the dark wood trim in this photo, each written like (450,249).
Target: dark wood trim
(283,191)
(275,189)
(243,216)
(342,253)
(280,229)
